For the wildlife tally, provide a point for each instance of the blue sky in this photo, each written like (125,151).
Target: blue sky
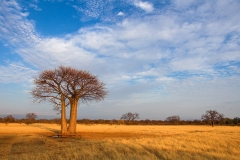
(157,57)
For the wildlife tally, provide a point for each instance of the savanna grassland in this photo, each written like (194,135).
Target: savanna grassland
(36,141)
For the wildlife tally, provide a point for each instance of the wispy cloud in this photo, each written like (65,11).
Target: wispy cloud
(15,72)
(14,25)
(160,39)
(146,6)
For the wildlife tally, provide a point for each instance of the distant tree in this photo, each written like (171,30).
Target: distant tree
(212,116)
(236,120)
(129,117)
(9,119)
(68,85)
(173,119)
(197,122)
(31,117)
(222,121)
(228,121)
(120,121)
(147,121)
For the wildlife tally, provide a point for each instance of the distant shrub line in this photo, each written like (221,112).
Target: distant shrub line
(226,121)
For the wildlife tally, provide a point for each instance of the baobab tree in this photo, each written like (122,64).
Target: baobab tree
(66,85)
(48,87)
(212,116)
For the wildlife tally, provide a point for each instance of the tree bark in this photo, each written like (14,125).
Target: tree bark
(212,123)
(63,117)
(73,117)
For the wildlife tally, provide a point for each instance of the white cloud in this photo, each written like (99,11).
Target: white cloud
(52,52)
(146,6)
(15,72)
(134,43)
(120,14)
(14,25)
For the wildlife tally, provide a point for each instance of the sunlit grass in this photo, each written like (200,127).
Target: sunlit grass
(120,142)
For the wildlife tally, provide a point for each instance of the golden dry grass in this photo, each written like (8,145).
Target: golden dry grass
(119,142)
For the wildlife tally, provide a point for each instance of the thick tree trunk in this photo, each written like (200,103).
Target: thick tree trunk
(212,123)
(63,118)
(73,117)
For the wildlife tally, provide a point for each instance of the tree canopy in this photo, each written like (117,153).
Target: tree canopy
(212,116)
(173,119)
(130,116)
(32,116)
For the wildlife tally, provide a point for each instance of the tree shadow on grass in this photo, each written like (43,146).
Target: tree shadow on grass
(49,129)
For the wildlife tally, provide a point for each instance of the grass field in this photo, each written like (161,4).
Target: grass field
(35,141)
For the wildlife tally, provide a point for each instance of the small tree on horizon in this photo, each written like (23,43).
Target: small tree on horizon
(9,119)
(129,117)
(236,120)
(212,116)
(173,119)
(30,117)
